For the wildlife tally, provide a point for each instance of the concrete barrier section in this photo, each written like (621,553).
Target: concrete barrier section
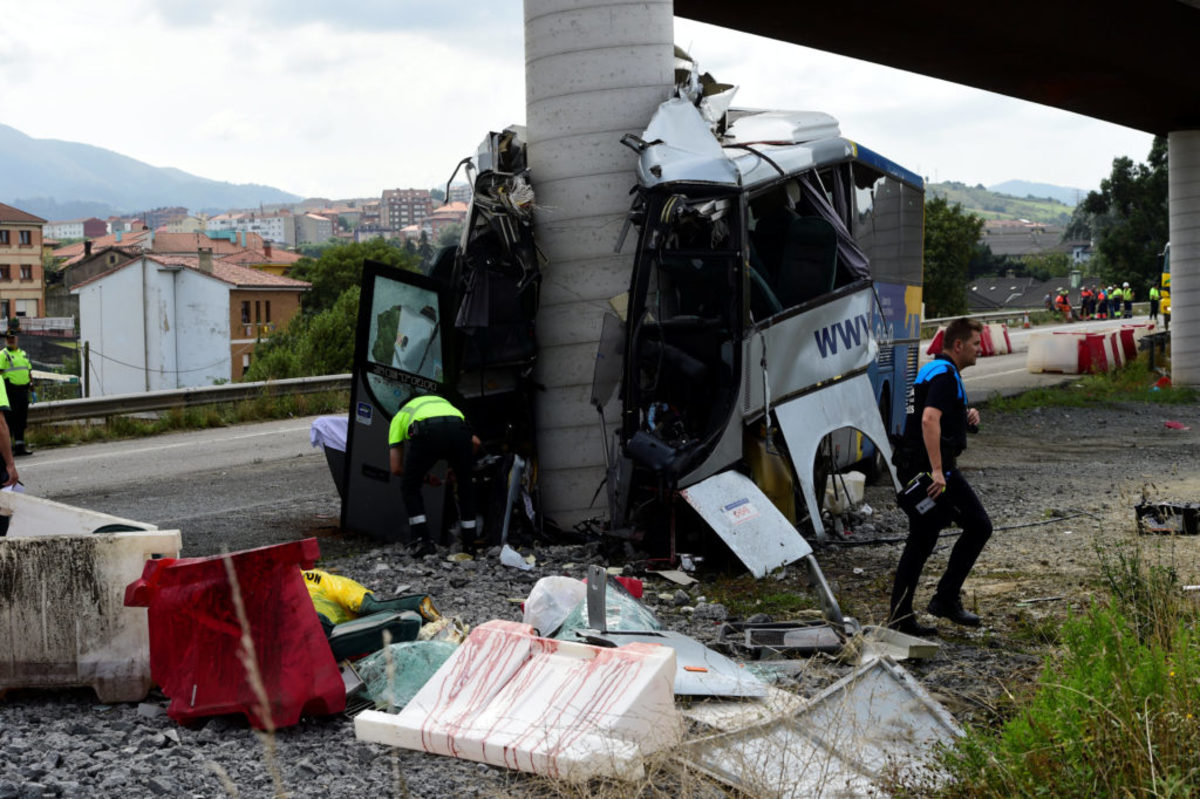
(63,622)
(562,709)
(1054,352)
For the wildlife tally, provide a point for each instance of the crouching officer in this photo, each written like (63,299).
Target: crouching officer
(16,370)
(428,429)
(935,434)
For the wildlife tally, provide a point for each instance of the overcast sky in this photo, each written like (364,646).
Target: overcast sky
(325,99)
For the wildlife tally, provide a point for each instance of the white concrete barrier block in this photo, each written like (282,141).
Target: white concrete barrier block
(562,709)
(1054,352)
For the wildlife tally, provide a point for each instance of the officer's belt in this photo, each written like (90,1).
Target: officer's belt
(424,425)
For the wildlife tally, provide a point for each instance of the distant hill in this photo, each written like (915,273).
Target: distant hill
(1067,195)
(67,180)
(994,205)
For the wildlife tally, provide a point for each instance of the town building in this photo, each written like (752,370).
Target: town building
(279,228)
(454,213)
(22,283)
(400,207)
(313,229)
(169,321)
(89,228)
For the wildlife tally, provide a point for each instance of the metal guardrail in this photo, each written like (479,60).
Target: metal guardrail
(1141,308)
(120,404)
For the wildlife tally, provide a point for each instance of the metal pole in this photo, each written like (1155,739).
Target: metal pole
(86,365)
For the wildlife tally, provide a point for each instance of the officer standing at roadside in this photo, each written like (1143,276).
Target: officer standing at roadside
(935,434)
(428,429)
(16,370)
(1155,295)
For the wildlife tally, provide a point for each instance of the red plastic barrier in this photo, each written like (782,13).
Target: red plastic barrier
(1007,341)
(1097,360)
(935,346)
(195,636)
(985,342)
(1118,351)
(1128,344)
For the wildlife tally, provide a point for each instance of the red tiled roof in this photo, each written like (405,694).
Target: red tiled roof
(256,257)
(191,242)
(10,214)
(74,252)
(234,275)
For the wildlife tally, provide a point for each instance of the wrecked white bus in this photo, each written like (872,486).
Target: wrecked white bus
(773,317)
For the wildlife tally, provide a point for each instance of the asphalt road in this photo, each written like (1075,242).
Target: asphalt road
(1006,374)
(236,487)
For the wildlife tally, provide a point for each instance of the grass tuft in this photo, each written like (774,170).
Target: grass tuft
(1135,382)
(1116,711)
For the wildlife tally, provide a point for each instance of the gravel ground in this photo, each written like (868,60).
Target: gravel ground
(1058,483)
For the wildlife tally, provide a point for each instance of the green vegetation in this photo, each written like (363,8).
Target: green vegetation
(991,205)
(1133,383)
(950,238)
(1115,713)
(194,418)
(1127,219)
(744,596)
(320,340)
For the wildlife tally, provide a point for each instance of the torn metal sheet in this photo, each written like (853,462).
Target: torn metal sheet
(727,716)
(1167,518)
(699,671)
(884,642)
(807,419)
(804,637)
(873,724)
(678,144)
(746,520)
(676,576)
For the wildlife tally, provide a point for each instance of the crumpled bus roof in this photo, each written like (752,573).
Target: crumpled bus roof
(757,147)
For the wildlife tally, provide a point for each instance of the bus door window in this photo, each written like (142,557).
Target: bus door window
(686,323)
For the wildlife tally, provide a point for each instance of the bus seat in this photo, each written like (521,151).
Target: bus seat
(763,302)
(809,264)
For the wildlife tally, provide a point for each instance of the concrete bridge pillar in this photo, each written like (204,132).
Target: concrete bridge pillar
(1183,153)
(594,71)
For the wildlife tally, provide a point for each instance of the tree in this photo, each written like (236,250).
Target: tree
(321,343)
(1127,219)
(1047,265)
(450,235)
(950,238)
(340,267)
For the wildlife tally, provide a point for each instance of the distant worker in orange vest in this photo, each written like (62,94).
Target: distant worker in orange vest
(1086,298)
(1102,303)
(1063,305)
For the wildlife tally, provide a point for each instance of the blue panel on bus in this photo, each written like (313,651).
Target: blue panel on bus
(869,156)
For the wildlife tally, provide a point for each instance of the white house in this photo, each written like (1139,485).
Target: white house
(165,321)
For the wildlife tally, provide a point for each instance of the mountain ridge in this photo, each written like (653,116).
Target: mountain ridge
(58,179)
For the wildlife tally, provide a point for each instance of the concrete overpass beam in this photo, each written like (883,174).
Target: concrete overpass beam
(594,70)
(1183,153)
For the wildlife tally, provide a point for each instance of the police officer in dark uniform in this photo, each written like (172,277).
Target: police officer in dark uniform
(428,429)
(935,434)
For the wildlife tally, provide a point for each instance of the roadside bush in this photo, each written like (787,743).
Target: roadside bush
(1115,711)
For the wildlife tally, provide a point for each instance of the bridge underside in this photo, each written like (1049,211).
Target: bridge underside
(1133,64)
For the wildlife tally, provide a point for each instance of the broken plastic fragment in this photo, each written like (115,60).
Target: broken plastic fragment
(510,557)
